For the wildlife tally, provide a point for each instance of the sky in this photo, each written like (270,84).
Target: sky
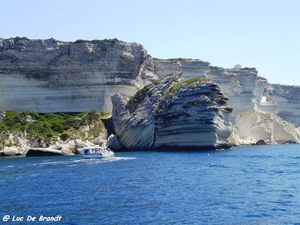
(264,34)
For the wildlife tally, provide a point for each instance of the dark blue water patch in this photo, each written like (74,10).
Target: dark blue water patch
(249,185)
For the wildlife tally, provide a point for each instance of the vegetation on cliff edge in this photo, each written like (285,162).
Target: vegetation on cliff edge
(104,41)
(139,96)
(187,82)
(51,125)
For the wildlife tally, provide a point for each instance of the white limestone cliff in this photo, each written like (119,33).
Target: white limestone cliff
(55,76)
(262,112)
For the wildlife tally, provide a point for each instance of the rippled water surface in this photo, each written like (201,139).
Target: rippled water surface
(248,185)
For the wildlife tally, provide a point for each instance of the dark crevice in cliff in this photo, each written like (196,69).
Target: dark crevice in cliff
(109,126)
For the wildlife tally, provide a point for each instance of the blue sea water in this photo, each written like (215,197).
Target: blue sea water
(244,185)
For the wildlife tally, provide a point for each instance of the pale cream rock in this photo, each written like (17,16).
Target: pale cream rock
(10,151)
(55,76)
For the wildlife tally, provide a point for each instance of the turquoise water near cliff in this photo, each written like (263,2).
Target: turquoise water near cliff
(244,185)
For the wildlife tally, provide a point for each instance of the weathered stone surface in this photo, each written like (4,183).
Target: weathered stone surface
(261,111)
(113,142)
(258,114)
(13,143)
(32,152)
(287,99)
(190,67)
(55,76)
(10,151)
(173,115)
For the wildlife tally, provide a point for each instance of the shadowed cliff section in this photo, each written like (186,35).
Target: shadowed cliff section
(173,114)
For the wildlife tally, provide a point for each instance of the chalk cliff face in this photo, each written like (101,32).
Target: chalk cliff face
(173,114)
(262,112)
(287,99)
(191,68)
(55,76)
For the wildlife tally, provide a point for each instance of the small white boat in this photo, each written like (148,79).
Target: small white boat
(97,152)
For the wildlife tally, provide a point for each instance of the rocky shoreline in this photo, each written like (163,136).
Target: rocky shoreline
(149,109)
(65,149)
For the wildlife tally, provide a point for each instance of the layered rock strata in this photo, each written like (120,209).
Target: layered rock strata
(55,76)
(174,114)
(287,99)
(261,111)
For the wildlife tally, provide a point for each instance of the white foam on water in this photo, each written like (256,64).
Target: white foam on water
(67,161)
(75,162)
(103,160)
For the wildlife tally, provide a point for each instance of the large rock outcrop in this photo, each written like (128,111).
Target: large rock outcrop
(33,152)
(261,111)
(173,114)
(55,76)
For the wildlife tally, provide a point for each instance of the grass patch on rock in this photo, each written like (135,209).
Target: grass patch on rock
(186,82)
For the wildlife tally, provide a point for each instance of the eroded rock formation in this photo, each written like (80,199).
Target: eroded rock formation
(174,114)
(261,111)
(33,152)
(55,76)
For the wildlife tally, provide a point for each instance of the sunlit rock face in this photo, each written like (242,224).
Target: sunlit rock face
(190,67)
(244,90)
(173,114)
(287,99)
(54,76)
(261,111)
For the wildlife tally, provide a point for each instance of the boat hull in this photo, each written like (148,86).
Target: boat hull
(96,152)
(92,156)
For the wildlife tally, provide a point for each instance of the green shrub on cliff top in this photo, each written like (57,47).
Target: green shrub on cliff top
(104,41)
(250,68)
(187,82)
(139,96)
(49,124)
